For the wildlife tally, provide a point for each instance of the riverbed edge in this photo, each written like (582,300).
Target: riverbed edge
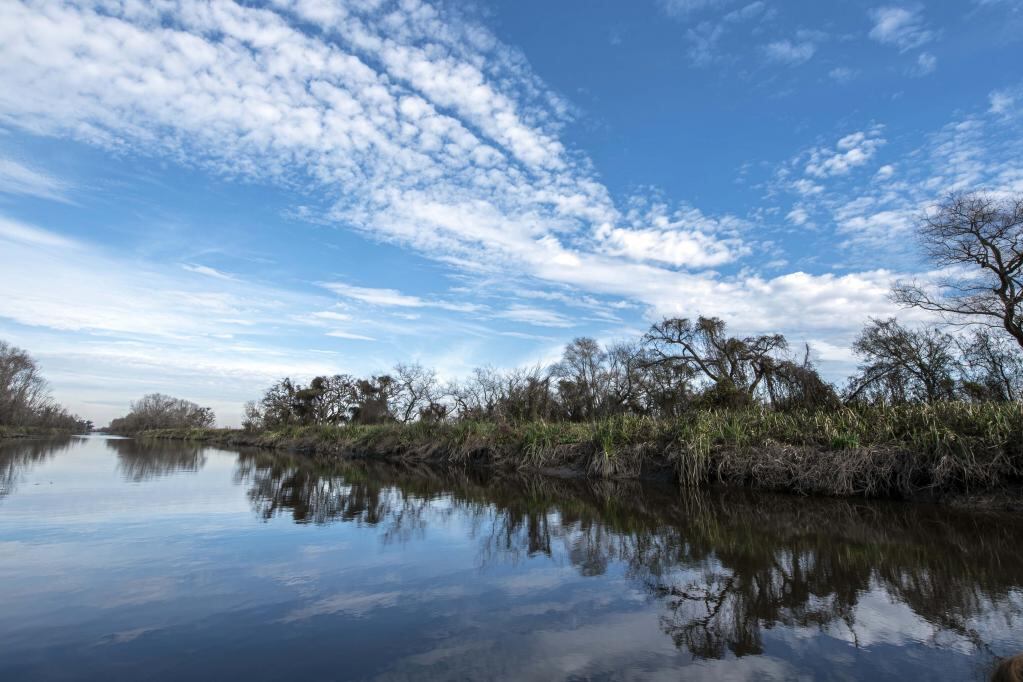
(877,472)
(18,433)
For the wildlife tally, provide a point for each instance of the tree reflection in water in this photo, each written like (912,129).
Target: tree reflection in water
(726,564)
(19,456)
(142,459)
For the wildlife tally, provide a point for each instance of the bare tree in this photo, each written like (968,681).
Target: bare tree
(582,378)
(514,395)
(253,419)
(158,411)
(25,396)
(902,365)
(993,367)
(667,388)
(980,240)
(415,390)
(22,387)
(625,386)
(477,396)
(792,384)
(526,395)
(731,364)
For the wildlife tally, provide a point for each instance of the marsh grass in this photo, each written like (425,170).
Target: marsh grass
(33,431)
(876,451)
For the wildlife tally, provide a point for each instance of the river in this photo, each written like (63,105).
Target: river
(131,560)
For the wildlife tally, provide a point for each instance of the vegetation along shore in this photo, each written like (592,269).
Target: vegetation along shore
(939,451)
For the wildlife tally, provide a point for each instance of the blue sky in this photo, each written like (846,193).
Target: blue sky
(199,198)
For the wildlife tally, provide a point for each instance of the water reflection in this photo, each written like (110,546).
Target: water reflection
(141,459)
(116,556)
(19,456)
(725,566)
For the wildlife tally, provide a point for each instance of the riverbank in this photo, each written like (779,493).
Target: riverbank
(937,452)
(13,432)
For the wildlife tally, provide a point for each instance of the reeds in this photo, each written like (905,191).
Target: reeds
(886,451)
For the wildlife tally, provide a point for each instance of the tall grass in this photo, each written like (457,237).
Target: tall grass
(876,451)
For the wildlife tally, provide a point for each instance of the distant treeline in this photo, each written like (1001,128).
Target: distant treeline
(25,401)
(679,366)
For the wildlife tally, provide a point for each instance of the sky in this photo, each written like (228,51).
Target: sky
(200,198)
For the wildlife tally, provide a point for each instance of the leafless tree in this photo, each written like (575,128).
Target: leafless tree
(625,384)
(22,387)
(415,390)
(668,388)
(477,396)
(731,364)
(25,396)
(514,395)
(158,411)
(902,365)
(527,395)
(993,367)
(793,384)
(253,419)
(582,378)
(979,240)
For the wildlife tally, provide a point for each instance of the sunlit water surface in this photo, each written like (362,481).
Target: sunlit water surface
(126,560)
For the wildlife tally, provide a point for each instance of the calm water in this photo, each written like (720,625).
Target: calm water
(123,560)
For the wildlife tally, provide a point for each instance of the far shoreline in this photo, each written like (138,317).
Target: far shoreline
(955,467)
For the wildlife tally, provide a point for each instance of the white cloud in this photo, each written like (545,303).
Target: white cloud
(683,8)
(851,151)
(842,74)
(537,317)
(877,227)
(807,187)
(788,52)
(206,270)
(1002,101)
(490,190)
(885,172)
(331,315)
(393,297)
(17,178)
(703,42)
(683,238)
(798,216)
(337,333)
(14,231)
(747,12)
(902,27)
(926,63)
(384,297)
(675,247)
